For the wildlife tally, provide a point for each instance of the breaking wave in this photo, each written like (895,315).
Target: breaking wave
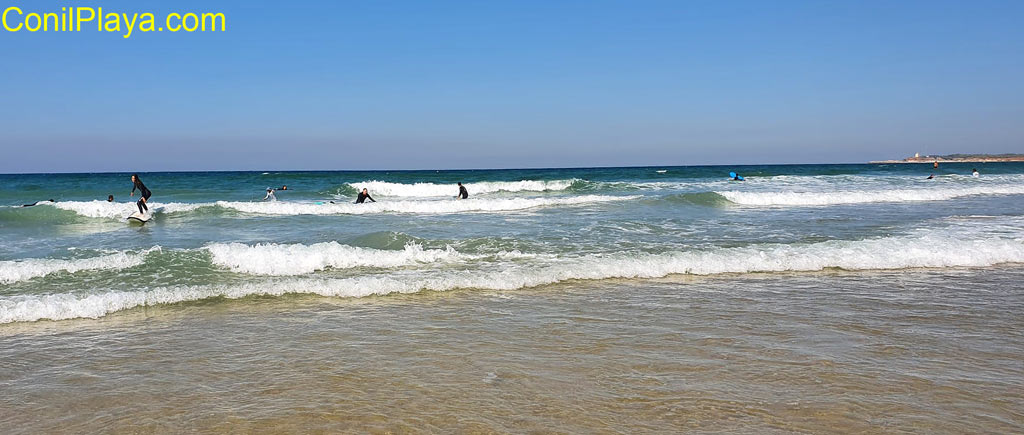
(298,259)
(837,197)
(12,271)
(426,190)
(107,210)
(930,250)
(120,210)
(421,207)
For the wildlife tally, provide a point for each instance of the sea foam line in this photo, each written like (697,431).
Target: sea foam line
(424,190)
(12,271)
(297,259)
(930,250)
(120,210)
(419,207)
(863,196)
(115,210)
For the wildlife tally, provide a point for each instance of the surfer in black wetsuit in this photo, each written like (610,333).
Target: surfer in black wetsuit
(143,191)
(363,196)
(463,193)
(34,203)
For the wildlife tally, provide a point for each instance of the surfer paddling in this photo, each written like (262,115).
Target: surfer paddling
(35,203)
(363,196)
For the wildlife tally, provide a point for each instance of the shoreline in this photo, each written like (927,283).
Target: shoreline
(459,361)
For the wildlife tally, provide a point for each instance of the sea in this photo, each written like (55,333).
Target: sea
(803,299)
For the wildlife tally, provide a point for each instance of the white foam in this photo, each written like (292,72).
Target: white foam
(425,190)
(120,210)
(834,197)
(940,248)
(420,207)
(298,259)
(12,271)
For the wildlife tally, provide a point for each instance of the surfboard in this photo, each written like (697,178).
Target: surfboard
(140,217)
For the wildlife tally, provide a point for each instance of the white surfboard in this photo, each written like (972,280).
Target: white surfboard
(140,217)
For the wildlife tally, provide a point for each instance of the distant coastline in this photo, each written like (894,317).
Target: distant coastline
(958,158)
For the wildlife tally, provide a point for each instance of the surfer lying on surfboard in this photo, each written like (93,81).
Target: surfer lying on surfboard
(34,203)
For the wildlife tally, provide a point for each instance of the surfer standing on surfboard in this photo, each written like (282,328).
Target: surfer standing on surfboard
(143,191)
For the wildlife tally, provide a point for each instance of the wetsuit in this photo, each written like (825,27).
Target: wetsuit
(363,197)
(34,203)
(463,193)
(145,195)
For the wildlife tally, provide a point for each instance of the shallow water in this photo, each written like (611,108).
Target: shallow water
(934,351)
(811,298)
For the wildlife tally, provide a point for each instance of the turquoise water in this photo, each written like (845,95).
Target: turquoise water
(213,235)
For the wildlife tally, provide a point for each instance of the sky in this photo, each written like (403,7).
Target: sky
(356,85)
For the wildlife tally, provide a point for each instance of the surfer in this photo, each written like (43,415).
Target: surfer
(143,191)
(463,193)
(34,203)
(270,193)
(110,198)
(363,196)
(974,173)
(930,177)
(736,177)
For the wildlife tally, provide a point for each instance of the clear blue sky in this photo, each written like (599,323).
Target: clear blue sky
(440,84)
